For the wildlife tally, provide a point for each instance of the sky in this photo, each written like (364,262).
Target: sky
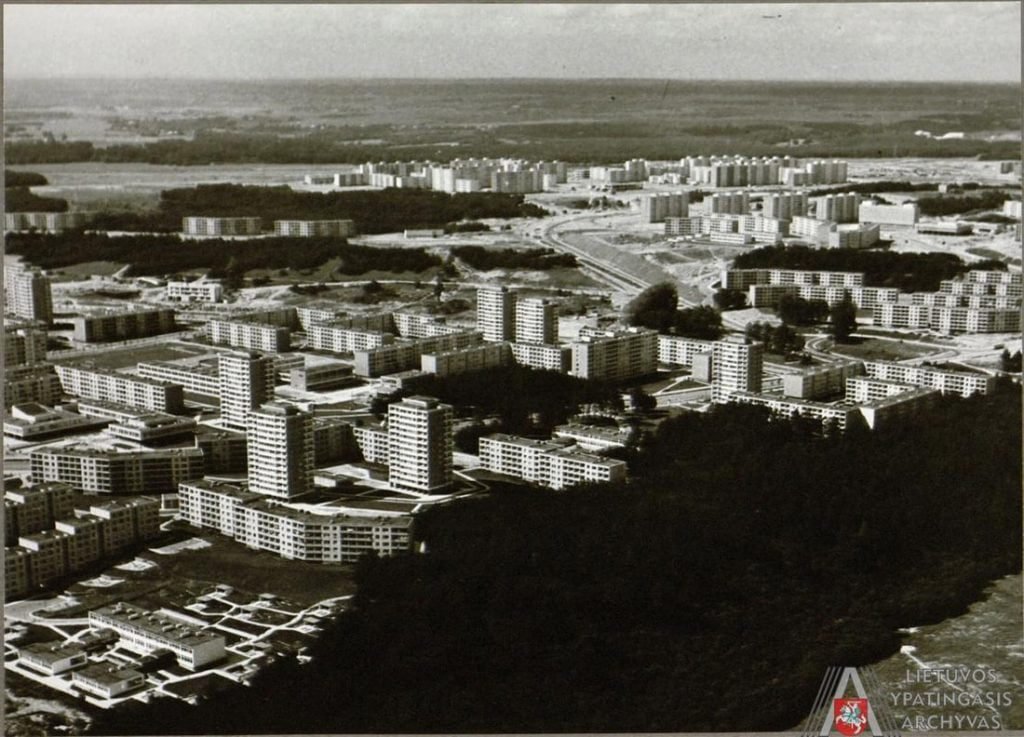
(914,41)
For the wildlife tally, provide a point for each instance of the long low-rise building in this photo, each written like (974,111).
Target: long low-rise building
(543,357)
(554,463)
(406,355)
(674,350)
(195,291)
(111,386)
(140,426)
(266,524)
(213,226)
(314,228)
(948,320)
(616,354)
(944,380)
(337,339)
(44,221)
(473,358)
(33,421)
(199,377)
(143,632)
(254,336)
(116,471)
(321,377)
(743,279)
(108,325)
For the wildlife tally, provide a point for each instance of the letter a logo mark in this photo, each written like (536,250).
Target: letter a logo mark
(848,715)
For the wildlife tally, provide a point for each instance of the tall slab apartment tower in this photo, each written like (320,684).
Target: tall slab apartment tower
(280,450)
(420,440)
(496,313)
(246,381)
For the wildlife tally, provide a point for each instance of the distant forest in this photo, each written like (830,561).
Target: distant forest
(708,594)
(19,198)
(374,211)
(160,255)
(908,272)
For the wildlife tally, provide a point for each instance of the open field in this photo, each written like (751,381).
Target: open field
(874,349)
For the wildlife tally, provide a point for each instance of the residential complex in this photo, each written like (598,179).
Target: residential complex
(114,470)
(496,313)
(554,463)
(314,228)
(616,354)
(101,326)
(280,450)
(195,291)
(212,226)
(245,381)
(111,386)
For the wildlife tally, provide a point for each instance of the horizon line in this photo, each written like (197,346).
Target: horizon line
(715,80)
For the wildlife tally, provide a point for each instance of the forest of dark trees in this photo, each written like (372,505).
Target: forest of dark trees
(374,211)
(157,255)
(19,198)
(746,556)
(908,272)
(953,205)
(540,259)
(657,308)
(23,179)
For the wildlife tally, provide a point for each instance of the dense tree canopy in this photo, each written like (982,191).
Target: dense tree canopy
(539,259)
(166,254)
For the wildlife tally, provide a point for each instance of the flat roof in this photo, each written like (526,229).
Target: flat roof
(155,624)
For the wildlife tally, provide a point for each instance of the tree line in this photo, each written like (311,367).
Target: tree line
(540,259)
(157,255)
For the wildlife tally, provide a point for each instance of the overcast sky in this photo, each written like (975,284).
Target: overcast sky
(854,41)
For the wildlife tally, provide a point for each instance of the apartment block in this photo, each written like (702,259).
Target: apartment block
(861,235)
(111,386)
(223,451)
(195,291)
(196,375)
(24,345)
(32,421)
(729,203)
(536,321)
(656,208)
(420,454)
(944,380)
(742,279)
(825,380)
(327,337)
(246,382)
(267,524)
(213,226)
(47,222)
(27,294)
(280,450)
(543,357)
(839,414)
(101,326)
(38,383)
(140,426)
(34,508)
(315,228)
(374,443)
(115,471)
(495,314)
(677,351)
(553,463)
(252,336)
(322,377)
(785,206)
(837,208)
(474,358)
(615,355)
(737,365)
(406,355)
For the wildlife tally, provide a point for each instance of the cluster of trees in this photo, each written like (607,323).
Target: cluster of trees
(730,299)
(747,555)
(941,205)
(527,401)
(843,319)
(908,272)
(867,188)
(799,311)
(657,308)
(162,254)
(781,340)
(472,226)
(19,198)
(373,211)
(1010,363)
(23,179)
(540,259)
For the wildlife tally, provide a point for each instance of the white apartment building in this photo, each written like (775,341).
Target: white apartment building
(106,325)
(49,222)
(655,208)
(729,203)
(326,337)
(944,380)
(266,524)
(543,357)
(407,355)
(195,291)
(496,313)
(24,345)
(737,365)
(280,450)
(536,321)
(211,226)
(254,336)
(615,355)
(553,463)
(837,208)
(314,228)
(197,376)
(116,471)
(27,294)
(245,381)
(474,358)
(785,206)
(678,351)
(420,455)
(111,386)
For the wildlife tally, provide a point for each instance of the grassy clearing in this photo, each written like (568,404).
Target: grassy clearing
(131,356)
(77,272)
(873,349)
